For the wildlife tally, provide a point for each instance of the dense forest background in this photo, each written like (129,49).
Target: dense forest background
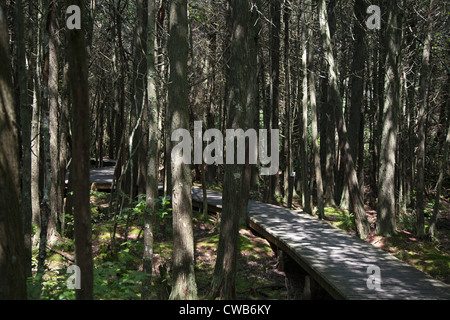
(363,113)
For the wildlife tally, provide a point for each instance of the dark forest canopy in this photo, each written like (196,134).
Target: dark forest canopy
(353,94)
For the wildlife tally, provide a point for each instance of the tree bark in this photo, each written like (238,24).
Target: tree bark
(25,119)
(152,156)
(275,29)
(314,122)
(78,75)
(423,104)
(184,286)
(234,204)
(362,224)
(12,249)
(386,219)
(53,225)
(303,117)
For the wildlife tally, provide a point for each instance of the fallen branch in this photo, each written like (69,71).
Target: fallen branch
(63,254)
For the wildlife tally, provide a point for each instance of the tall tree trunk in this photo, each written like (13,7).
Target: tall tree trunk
(362,224)
(386,219)
(304,124)
(78,75)
(275,29)
(288,107)
(152,156)
(53,225)
(314,124)
(423,103)
(184,286)
(36,122)
(357,81)
(140,82)
(12,250)
(234,205)
(25,119)
(327,125)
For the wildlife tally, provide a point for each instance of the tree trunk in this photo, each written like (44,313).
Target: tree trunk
(314,126)
(288,107)
(275,13)
(152,156)
(36,126)
(362,224)
(304,125)
(183,286)
(53,225)
(423,104)
(25,119)
(78,75)
(234,205)
(357,80)
(12,250)
(386,219)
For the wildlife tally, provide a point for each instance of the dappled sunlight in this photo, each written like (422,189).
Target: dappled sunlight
(342,259)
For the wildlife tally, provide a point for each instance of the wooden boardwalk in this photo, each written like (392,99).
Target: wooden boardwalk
(336,260)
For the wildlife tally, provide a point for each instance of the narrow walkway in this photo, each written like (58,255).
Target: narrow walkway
(338,261)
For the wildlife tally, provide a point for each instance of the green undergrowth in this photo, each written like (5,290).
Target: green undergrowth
(118,270)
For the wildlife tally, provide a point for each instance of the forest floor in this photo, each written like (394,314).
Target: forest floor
(118,270)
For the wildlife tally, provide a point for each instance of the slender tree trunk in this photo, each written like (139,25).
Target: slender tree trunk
(78,75)
(357,79)
(386,219)
(275,13)
(53,94)
(288,182)
(362,224)
(140,83)
(184,286)
(423,104)
(152,156)
(12,249)
(36,125)
(304,124)
(25,119)
(314,126)
(224,278)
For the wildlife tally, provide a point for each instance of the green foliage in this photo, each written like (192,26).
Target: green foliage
(116,279)
(138,207)
(50,286)
(163,205)
(347,220)
(342,218)
(99,195)
(407,221)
